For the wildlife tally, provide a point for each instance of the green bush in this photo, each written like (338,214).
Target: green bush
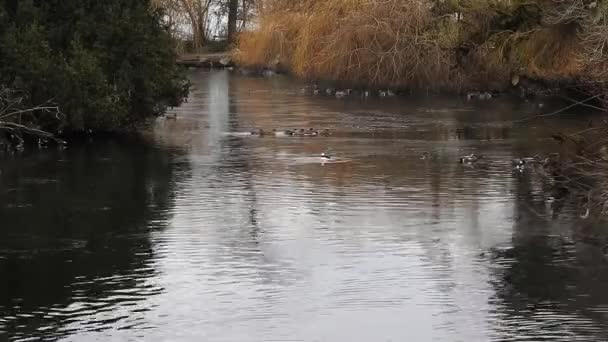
(106,64)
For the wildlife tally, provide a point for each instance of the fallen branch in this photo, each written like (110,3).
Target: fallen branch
(577,103)
(11,120)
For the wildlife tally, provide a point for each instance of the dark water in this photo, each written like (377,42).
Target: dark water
(197,234)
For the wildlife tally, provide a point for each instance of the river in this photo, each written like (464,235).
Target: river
(198,232)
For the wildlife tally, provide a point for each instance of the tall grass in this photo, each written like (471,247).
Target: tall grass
(390,42)
(454,45)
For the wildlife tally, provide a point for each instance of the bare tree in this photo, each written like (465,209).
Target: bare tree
(200,19)
(233,8)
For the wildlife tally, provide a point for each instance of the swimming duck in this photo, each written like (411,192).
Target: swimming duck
(278,133)
(471,158)
(518,162)
(311,134)
(325,156)
(259,132)
(485,96)
(171,116)
(472,95)
(324,132)
(330,91)
(425,156)
(341,94)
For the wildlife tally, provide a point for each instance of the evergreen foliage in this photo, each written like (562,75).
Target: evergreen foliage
(106,64)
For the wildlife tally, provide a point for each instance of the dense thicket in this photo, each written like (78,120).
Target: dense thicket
(441,44)
(105,64)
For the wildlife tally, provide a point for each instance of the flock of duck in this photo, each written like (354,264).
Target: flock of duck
(548,164)
(301,132)
(340,93)
(519,164)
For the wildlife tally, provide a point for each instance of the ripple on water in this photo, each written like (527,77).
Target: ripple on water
(223,236)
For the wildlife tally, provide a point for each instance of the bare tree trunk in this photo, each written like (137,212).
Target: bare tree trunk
(245,13)
(233,8)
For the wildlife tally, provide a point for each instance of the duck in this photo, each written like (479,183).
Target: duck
(471,158)
(389,93)
(485,96)
(382,93)
(518,162)
(171,116)
(341,93)
(277,133)
(425,156)
(330,91)
(259,132)
(311,133)
(325,156)
(472,95)
(325,132)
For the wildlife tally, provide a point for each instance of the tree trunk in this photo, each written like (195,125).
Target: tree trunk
(197,37)
(233,8)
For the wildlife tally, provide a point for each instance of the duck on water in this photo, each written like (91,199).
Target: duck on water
(520,163)
(301,132)
(469,159)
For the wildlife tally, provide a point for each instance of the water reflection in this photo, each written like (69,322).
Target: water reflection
(75,250)
(549,280)
(254,238)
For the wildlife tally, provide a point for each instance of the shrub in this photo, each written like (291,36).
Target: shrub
(106,64)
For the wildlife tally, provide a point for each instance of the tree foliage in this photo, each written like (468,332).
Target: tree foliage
(106,64)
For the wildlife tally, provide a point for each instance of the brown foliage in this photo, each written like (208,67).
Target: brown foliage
(451,44)
(390,42)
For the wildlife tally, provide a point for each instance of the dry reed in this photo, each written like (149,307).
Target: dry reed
(451,45)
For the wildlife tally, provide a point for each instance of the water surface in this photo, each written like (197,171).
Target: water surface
(198,232)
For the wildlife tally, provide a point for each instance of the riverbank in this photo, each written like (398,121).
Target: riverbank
(206,60)
(456,46)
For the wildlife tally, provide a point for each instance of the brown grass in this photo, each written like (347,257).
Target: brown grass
(391,42)
(420,43)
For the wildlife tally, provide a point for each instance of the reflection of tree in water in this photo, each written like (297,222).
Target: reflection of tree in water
(75,231)
(549,276)
(240,217)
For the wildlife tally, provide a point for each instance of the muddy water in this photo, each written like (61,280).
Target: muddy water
(201,232)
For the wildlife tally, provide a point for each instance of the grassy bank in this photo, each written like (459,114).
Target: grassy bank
(456,45)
